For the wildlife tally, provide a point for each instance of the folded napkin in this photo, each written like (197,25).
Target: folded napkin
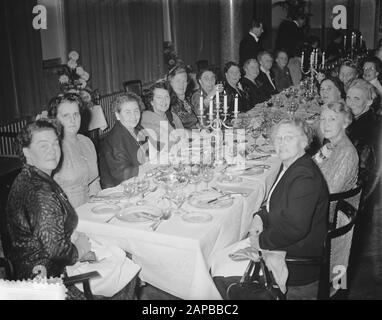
(115,268)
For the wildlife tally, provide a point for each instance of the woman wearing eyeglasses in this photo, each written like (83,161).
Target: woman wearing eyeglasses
(294,218)
(78,174)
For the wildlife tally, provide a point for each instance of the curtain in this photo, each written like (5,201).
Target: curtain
(196,28)
(20,61)
(117,40)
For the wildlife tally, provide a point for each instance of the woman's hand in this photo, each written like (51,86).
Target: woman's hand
(82,244)
(256,227)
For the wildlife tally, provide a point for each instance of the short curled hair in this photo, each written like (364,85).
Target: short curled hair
(149,95)
(202,71)
(126,97)
(377,63)
(365,86)
(305,129)
(229,64)
(55,102)
(337,83)
(25,136)
(247,62)
(178,68)
(342,108)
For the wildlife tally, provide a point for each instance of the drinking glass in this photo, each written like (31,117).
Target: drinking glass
(142,185)
(207,175)
(177,197)
(195,176)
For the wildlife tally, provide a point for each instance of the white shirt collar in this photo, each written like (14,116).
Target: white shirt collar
(296,23)
(265,71)
(254,36)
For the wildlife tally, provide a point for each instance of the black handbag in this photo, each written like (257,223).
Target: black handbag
(253,286)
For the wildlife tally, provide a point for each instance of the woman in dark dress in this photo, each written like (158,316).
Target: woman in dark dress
(179,104)
(251,86)
(124,149)
(294,218)
(234,88)
(40,220)
(364,131)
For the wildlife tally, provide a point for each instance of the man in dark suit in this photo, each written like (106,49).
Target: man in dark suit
(290,35)
(250,45)
(266,77)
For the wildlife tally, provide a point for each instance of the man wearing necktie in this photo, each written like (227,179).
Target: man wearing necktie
(250,45)
(266,76)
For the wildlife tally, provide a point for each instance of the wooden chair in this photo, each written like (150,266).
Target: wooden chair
(133,86)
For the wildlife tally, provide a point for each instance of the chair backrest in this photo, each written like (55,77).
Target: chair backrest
(133,86)
(106,103)
(8,135)
(324,262)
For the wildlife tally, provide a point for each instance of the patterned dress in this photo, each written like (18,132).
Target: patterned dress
(185,111)
(78,174)
(40,222)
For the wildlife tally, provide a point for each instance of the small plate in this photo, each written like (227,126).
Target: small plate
(197,217)
(139,214)
(106,209)
(200,200)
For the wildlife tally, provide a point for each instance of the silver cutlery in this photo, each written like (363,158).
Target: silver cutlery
(219,198)
(165,216)
(244,194)
(108,220)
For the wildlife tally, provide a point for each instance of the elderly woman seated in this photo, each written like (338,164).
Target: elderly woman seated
(294,218)
(40,221)
(283,79)
(78,174)
(123,150)
(364,131)
(158,120)
(178,79)
(208,88)
(251,86)
(234,88)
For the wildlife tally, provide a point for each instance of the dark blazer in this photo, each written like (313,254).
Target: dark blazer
(282,78)
(249,48)
(267,88)
(118,156)
(364,133)
(254,91)
(297,221)
(40,222)
(289,37)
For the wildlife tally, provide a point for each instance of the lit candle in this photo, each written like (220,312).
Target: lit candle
(323,60)
(311,59)
(302,59)
(316,58)
(352,39)
(201,101)
(225,106)
(345,42)
(211,113)
(361,42)
(236,105)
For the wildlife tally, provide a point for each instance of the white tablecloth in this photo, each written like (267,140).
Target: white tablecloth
(176,257)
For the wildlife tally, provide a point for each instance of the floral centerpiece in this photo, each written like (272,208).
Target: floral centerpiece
(170,55)
(75,79)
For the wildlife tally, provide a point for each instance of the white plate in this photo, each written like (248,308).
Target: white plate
(200,200)
(229,179)
(139,214)
(197,217)
(106,209)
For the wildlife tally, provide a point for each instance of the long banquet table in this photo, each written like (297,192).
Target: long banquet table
(176,257)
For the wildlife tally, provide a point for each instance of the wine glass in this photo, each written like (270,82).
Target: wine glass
(207,175)
(255,134)
(195,176)
(177,197)
(142,185)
